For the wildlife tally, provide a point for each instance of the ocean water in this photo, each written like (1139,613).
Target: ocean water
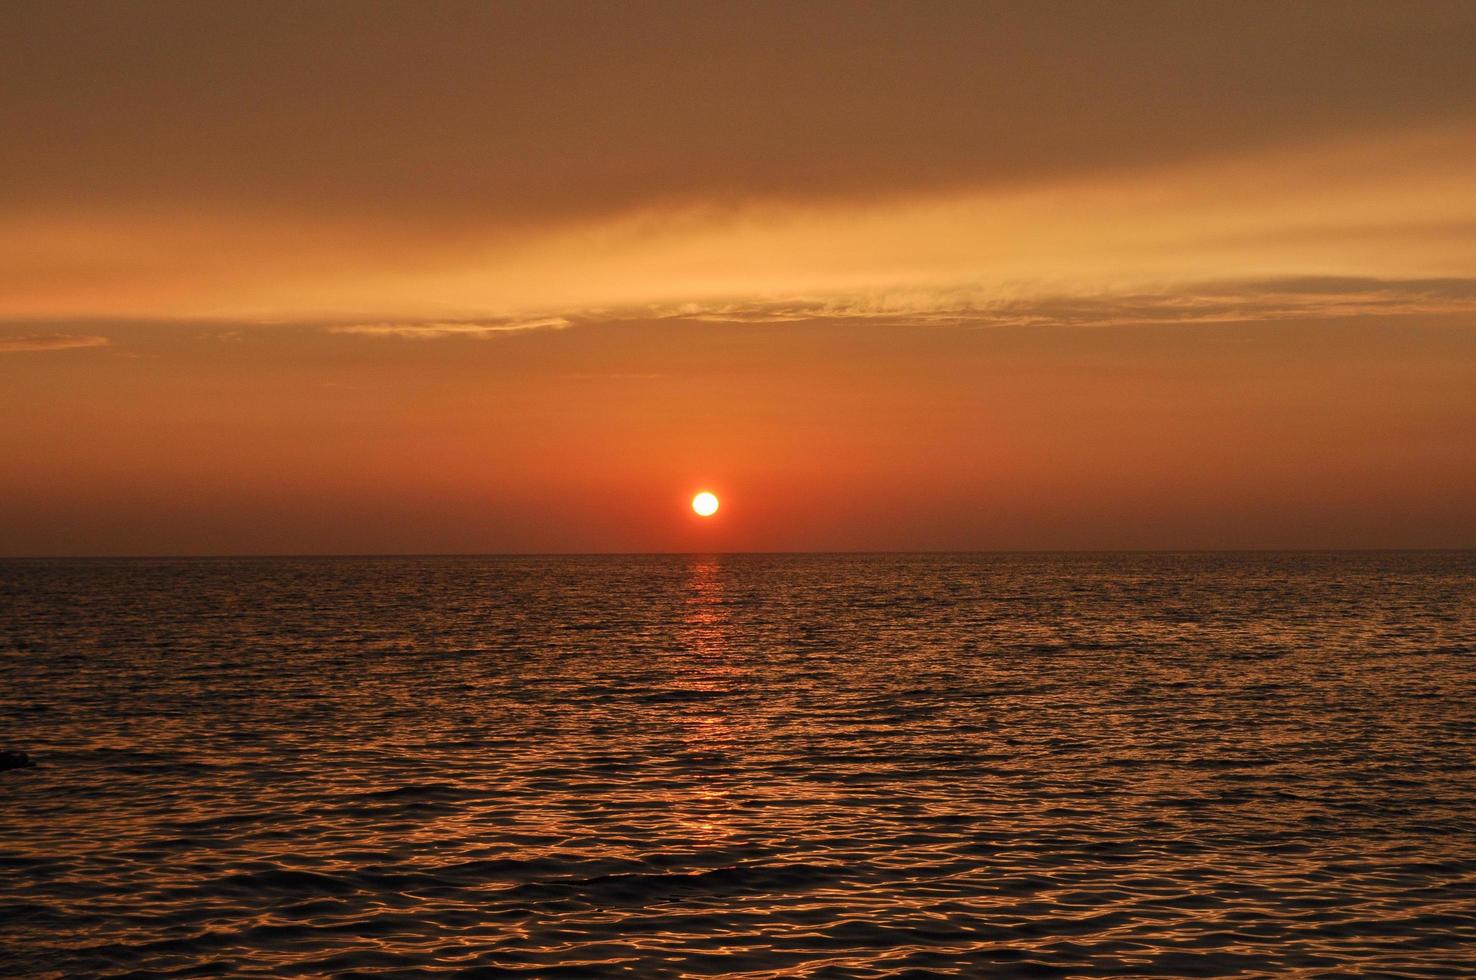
(829,766)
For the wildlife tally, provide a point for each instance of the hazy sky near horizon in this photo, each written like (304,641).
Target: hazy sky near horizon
(377,277)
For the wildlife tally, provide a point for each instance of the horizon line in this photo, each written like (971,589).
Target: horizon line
(368,555)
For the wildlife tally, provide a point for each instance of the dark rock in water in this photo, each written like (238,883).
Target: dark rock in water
(15,760)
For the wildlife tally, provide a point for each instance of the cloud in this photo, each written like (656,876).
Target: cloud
(981,305)
(1394,205)
(615,376)
(481,330)
(54,341)
(839,101)
(1324,297)
(988,305)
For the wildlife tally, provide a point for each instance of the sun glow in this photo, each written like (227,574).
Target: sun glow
(705,504)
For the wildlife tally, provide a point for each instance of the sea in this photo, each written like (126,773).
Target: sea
(936,765)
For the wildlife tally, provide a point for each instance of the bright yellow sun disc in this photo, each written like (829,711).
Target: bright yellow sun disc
(705,504)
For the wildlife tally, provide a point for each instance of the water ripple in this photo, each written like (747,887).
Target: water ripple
(828,766)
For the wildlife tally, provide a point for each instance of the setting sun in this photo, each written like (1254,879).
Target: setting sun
(705,504)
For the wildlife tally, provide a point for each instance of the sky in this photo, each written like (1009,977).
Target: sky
(443,277)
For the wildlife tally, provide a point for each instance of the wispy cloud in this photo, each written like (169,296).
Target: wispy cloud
(480,329)
(1325,297)
(615,376)
(53,341)
(1016,305)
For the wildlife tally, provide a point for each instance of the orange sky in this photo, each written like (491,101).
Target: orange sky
(445,277)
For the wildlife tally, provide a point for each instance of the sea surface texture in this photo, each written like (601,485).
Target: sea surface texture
(828,766)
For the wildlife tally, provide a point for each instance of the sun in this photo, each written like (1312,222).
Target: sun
(705,504)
